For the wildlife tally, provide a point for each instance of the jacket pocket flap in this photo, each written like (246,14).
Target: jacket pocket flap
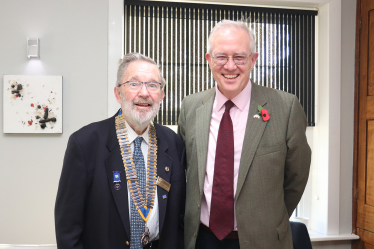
(270,149)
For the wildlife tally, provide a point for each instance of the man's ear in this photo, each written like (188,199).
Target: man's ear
(254,58)
(117,93)
(208,57)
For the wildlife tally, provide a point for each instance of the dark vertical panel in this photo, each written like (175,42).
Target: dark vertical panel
(304,77)
(171,51)
(146,29)
(153,33)
(198,47)
(307,67)
(178,78)
(162,24)
(136,29)
(301,59)
(287,51)
(292,64)
(202,49)
(274,49)
(311,119)
(193,49)
(141,29)
(126,24)
(167,56)
(188,62)
(266,49)
(263,48)
(298,55)
(254,20)
(309,93)
(281,50)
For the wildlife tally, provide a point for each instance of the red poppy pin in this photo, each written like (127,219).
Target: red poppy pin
(264,114)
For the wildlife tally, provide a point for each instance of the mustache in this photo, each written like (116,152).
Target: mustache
(143,101)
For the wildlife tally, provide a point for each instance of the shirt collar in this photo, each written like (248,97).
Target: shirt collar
(132,135)
(240,101)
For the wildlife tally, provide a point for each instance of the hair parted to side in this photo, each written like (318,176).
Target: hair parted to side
(128,58)
(229,24)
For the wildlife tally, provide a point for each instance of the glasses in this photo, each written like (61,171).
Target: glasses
(222,59)
(135,86)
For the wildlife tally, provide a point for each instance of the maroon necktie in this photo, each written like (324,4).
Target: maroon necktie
(222,207)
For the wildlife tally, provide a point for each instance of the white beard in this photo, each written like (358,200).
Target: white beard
(139,118)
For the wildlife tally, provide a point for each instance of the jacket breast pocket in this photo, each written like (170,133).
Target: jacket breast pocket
(270,149)
(177,176)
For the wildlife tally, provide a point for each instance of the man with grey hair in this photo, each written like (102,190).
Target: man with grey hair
(247,155)
(123,181)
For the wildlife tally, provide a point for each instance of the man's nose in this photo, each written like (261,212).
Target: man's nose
(143,90)
(230,64)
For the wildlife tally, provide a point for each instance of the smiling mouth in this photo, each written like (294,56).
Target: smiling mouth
(143,104)
(230,76)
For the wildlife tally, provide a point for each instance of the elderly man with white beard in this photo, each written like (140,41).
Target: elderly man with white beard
(122,183)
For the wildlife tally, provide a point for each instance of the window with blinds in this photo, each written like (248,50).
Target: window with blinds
(175,35)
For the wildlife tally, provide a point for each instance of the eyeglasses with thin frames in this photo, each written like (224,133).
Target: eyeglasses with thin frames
(221,59)
(135,86)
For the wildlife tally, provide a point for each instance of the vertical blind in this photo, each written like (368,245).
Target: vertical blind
(175,35)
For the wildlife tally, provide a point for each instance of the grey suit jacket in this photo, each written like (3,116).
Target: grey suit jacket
(274,166)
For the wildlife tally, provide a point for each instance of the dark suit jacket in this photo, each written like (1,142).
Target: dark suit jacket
(273,171)
(90,213)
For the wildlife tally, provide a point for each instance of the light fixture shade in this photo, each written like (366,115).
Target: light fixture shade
(32,47)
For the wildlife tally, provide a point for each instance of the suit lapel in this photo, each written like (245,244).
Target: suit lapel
(203,116)
(163,160)
(114,163)
(253,133)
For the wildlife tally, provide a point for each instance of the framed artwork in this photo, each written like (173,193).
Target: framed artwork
(32,104)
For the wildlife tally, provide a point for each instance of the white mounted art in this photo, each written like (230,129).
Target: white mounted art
(32,104)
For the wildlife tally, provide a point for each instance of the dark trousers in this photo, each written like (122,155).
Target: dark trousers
(207,240)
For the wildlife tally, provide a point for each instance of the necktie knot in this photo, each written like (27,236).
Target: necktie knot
(229,104)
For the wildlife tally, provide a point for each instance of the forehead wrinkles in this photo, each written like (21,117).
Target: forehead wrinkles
(140,71)
(138,78)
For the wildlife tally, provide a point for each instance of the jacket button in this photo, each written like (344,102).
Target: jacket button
(127,243)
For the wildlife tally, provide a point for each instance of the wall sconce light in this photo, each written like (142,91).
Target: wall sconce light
(32,47)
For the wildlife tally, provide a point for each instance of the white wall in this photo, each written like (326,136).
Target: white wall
(73,43)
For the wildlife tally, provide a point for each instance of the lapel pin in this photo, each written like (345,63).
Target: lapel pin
(164,197)
(167,169)
(117,186)
(117,180)
(116,176)
(256,116)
